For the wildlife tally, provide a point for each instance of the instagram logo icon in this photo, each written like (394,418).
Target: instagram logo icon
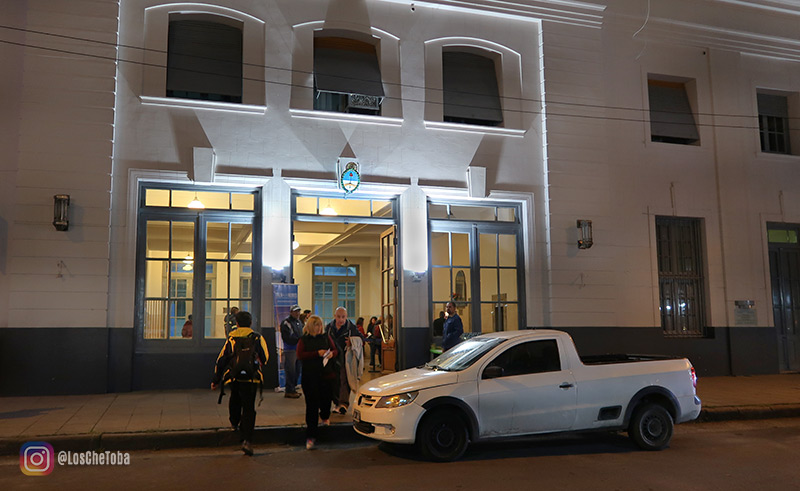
(36,459)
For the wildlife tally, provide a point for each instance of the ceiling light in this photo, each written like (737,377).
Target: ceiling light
(345,263)
(328,211)
(196,204)
(295,245)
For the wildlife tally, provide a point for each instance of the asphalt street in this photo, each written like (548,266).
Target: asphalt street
(731,455)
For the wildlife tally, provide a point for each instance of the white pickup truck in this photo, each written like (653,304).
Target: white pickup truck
(522,383)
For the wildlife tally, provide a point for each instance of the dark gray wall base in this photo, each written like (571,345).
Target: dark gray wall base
(53,361)
(62,361)
(732,351)
(414,345)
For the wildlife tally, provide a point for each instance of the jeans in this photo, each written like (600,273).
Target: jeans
(292,368)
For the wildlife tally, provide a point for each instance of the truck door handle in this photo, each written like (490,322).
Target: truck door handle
(566,385)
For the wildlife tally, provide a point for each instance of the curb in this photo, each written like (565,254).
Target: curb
(161,440)
(295,435)
(740,413)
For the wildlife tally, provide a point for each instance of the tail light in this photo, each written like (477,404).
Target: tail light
(694,378)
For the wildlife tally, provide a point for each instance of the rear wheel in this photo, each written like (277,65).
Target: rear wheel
(442,436)
(651,427)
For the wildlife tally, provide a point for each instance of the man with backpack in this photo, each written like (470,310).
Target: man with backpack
(239,366)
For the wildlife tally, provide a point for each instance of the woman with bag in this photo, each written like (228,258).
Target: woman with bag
(317,351)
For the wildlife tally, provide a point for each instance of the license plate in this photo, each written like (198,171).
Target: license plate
(356,415)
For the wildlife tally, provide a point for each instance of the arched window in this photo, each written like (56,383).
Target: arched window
(204,59)
(347,76)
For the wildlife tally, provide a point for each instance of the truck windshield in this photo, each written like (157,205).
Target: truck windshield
(463,355)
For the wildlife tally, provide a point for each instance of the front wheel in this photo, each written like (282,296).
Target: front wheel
(651,427)
(442,436)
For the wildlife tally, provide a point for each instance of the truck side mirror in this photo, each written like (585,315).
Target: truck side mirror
(492,371)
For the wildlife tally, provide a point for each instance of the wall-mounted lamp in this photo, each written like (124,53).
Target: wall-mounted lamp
(585,240)
(61,212)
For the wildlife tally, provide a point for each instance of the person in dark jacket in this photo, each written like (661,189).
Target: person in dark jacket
(242,405)
(340,329)
(374,339)
(453,328)
(316,350)
(291,330)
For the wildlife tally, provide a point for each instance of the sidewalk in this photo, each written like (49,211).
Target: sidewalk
(192,418)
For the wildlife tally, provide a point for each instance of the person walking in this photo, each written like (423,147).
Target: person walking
(291,331)
(239,366)
(317,352)
(453,328)
(341,329)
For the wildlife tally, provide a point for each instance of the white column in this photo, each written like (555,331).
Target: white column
(276,233)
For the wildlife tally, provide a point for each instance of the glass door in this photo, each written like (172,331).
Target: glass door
(452,272)
(479,267)
(169,279)
(228,273)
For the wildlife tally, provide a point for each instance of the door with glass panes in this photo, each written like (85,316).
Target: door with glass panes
(478,267)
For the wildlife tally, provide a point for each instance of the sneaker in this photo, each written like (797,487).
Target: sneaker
(310,444)
(326,422)
(247,448)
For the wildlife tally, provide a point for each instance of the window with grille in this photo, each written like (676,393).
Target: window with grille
(680,276)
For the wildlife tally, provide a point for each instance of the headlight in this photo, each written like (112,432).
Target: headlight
(396,400)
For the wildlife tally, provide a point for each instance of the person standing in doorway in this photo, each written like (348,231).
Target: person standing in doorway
(291,330)
(239,366)
(340,330)
(317,351)
(453,328)
(230,321)
(374,338)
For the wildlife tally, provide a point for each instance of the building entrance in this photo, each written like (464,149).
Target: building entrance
(784,266)
(344,255)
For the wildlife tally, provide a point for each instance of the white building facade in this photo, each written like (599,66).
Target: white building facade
(626,171)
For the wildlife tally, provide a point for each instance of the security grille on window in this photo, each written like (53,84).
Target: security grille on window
(671,118)
(470,88)
(680,276)
(347,76)
(773,123)
(204,61)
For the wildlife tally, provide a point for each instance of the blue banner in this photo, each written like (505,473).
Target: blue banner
(284,295)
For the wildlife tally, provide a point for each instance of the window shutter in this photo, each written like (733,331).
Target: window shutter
(470,87)
(671,117)
(345,66)
(206,58)
(772,105)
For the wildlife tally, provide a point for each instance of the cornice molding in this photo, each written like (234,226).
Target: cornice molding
(791,7)
(562,11)
(691,34)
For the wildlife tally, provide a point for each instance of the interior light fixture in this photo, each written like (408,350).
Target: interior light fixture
(328,211)
(295,245)
(196,204)
(345,263)
(188,259)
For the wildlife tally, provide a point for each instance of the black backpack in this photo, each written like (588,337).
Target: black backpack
(243,362)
